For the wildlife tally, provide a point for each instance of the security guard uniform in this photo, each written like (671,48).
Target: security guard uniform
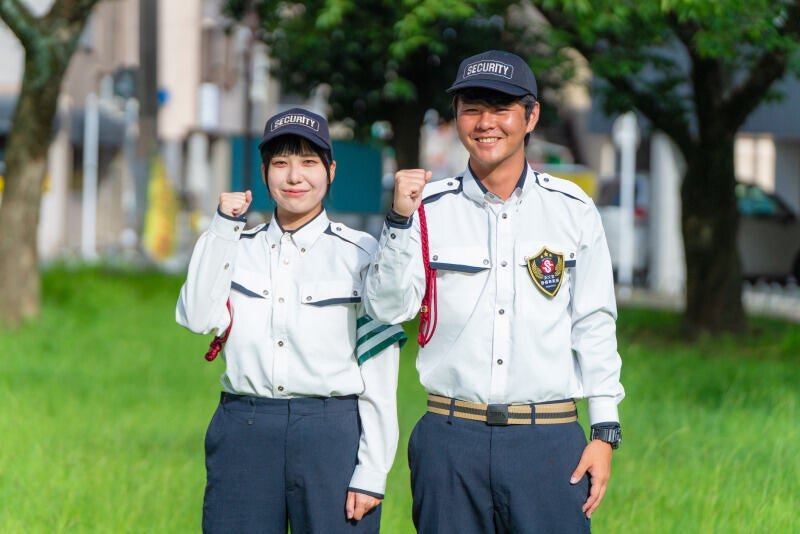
(308,409)
(526,323)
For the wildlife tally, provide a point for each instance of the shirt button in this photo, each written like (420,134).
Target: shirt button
(302,250)
(502,311)
(280,388)
(505,215)
(227,265)
(280,343)
(499,361)
(280,299)
(392,236)
(503,263)
(338,228)
(547,179)
(435,258)
(308,298)
(486,262)
(355,293)
(235,228)
(273,246)
(265,292)
(286,261)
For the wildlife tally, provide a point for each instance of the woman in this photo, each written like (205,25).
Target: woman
(306,429)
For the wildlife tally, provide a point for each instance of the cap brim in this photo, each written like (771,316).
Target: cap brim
(305,134)
(495,85)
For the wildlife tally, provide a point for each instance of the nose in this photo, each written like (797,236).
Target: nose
(486,121)
(295,174)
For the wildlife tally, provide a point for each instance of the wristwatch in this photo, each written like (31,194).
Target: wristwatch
(611,434)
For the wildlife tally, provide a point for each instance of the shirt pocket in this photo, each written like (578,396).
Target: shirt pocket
(251,284)
(329,310)
(461,275)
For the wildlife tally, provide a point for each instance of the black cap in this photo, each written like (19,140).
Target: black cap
(298,121)
(498,70)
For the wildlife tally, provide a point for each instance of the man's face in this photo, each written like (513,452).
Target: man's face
(494,134)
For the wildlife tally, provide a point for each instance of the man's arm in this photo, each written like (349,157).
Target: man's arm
(395,282)
(594,343)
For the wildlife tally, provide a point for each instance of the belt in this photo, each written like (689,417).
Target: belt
(543,413)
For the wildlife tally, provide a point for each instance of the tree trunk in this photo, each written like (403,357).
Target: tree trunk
(710,221)
(26,165)
(406,123)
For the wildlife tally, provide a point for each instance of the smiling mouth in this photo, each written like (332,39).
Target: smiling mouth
(293,192)
(487,139)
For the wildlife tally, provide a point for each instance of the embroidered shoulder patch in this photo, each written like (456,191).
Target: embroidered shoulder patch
(547,271)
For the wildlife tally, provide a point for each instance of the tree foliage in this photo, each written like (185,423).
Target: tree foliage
(696,69)
(384,60)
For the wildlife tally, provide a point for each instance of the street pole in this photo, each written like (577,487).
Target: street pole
(625,133)
(147,91)
(91,138)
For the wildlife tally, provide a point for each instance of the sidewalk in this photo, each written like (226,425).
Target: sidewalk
(770,300)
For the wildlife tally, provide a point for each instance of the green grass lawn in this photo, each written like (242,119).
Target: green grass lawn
(104,402)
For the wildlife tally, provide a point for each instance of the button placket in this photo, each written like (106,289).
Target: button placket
(501,339)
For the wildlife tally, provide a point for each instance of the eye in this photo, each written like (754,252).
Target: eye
(276,162)
(308,162)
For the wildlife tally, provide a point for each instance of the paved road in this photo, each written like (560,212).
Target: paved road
(773,300)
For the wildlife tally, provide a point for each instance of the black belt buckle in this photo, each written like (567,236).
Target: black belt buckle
(497,415)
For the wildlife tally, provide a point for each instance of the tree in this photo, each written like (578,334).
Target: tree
(384,60)
(49,42)
(696,69)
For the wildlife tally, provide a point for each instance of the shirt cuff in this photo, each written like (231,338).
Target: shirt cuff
(227,227)
(395,220)
(396,238)
(368,481)
(603,410)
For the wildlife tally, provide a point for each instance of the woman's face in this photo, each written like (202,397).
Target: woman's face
(297,184)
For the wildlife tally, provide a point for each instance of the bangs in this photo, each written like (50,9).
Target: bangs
(292,145)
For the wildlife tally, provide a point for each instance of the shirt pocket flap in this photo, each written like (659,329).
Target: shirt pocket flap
(250,283)
(330,293)
(460,259)
(526,251)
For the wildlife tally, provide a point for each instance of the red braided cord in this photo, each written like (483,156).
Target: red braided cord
(216,344)
(428,312)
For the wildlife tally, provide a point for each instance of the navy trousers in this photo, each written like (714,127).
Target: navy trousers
(272,463)
(468,477)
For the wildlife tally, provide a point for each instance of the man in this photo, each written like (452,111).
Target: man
(523,297)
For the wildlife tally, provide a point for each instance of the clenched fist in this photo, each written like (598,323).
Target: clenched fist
(235,204)
(408,185)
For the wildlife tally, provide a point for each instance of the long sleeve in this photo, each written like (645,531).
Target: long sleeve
(594,314)
(201,304)
(378,355)
(395,282)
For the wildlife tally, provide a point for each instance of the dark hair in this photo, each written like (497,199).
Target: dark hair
(492,98)
(294,145)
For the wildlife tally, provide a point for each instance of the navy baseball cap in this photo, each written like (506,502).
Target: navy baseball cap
(298,121)
(497,70)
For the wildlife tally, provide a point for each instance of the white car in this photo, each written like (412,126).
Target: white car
(769,235)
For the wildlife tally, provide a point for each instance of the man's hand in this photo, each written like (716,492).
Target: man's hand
(596,459)
(358,504)
(235,204)
(408,185)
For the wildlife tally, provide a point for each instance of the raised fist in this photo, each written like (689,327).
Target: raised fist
(235,204)
(408,186)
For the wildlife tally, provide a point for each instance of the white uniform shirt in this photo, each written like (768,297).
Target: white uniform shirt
(299,328)
(500,339)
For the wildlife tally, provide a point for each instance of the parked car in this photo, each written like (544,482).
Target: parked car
(769,235)
(768,239)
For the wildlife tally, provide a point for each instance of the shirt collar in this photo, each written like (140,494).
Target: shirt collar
(303,237)
(476,191)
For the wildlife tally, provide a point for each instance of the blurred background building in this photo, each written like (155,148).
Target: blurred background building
(213,92)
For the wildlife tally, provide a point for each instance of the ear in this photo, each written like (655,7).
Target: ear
(533,119)
(333,171)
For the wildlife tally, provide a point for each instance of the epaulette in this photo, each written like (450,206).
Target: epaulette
(362,240)
(436,190)
(252,232)
(559,185)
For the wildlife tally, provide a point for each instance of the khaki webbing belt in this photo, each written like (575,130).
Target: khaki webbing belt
(546,413)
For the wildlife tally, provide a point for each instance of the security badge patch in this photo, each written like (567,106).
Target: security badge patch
(547,271)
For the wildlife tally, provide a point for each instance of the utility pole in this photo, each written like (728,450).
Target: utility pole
(147,92)
(251,22)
